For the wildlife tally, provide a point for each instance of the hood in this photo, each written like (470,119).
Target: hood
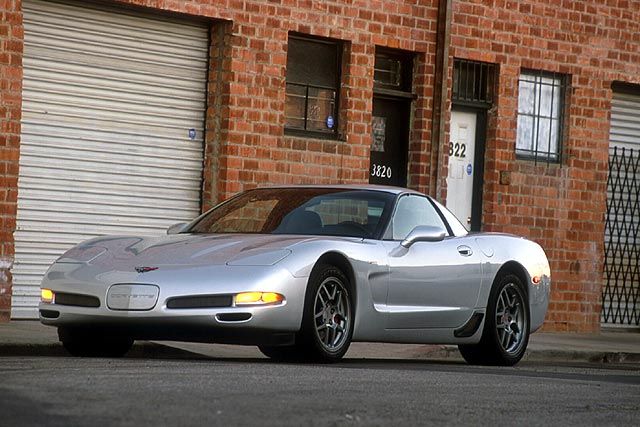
(128,252)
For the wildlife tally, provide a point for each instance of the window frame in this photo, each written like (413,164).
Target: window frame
(333,132)
(558,85)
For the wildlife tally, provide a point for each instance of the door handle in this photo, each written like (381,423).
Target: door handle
(465,250)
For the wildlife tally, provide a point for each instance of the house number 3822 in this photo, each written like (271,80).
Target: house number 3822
(458,149)
(380,171)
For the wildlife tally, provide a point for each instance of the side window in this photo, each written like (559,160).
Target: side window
(412,211)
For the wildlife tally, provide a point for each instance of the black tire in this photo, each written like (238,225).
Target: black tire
(87,344)
(506,328)
(327,323)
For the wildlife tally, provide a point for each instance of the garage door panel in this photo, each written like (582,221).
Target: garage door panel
(186,153)
(122,19)
(110,97)
(123,162)
(91,89)
(122,182)
(99,131)
(149,189)
(115,112)
(70,73)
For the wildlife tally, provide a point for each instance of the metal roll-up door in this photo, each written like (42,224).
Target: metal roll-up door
(621,291)
(112,130)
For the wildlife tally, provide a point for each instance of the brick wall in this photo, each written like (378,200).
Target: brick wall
(246,144)
(11,35)
(560,206)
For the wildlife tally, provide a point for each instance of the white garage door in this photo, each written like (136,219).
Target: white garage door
(112,130)
(621,291)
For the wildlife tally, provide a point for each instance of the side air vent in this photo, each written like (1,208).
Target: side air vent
(233,317)
(201,301)
(50,314)
(76,300)
(470,327)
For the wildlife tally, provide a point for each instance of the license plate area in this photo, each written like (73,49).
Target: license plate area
(132,297)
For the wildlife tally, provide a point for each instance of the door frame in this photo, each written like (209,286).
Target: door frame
(407,102)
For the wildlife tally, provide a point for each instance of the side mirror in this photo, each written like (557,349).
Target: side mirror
(424,233)
(177,228)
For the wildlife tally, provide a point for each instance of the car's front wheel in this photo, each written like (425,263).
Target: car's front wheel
(81,343)
(506,328)
(327,324)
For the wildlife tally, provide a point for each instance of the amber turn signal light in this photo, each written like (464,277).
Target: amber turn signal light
(47,296)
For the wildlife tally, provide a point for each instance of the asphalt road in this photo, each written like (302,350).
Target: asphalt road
(64,391)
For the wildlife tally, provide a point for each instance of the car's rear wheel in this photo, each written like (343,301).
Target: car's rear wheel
(506,329)
(81,343)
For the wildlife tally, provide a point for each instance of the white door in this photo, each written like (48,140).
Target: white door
(461,165)
(112,130)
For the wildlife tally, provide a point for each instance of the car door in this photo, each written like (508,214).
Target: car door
(433,284)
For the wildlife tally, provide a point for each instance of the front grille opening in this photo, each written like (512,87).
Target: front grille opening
(76,300)
(201,301)
(50,314)
(233,317)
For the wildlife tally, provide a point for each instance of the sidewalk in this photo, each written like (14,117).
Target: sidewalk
(30,338)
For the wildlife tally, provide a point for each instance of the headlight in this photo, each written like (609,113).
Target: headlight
(258,298)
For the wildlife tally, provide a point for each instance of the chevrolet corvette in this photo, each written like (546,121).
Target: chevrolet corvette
(301,272)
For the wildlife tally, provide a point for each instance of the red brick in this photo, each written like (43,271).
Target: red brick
(550,33)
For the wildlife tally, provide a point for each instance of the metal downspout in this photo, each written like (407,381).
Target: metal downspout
(441,77)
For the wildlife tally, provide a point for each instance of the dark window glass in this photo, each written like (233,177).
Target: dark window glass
(392,70)
(307,211)
(473,82)
(387,71)
(312,85)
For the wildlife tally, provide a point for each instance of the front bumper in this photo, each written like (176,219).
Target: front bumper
(235,324)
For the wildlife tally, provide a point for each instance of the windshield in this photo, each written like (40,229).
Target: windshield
(308,211)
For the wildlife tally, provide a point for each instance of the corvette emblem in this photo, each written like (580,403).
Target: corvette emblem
(145,269)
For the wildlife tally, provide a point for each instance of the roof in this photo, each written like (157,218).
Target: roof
(382,188)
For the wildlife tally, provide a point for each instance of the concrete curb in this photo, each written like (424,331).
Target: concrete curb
(597,357)
(147,349)
(450,352)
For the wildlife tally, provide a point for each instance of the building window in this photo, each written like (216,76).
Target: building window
(313,81)
(473,83)
(540,113)
(393,70)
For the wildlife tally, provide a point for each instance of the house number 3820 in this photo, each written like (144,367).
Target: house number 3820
(380,171)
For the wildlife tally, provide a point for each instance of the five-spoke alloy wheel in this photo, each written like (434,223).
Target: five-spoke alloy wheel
(332,314)
(506,328)
(327,323)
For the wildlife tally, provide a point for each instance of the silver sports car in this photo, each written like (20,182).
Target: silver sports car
(301,271)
